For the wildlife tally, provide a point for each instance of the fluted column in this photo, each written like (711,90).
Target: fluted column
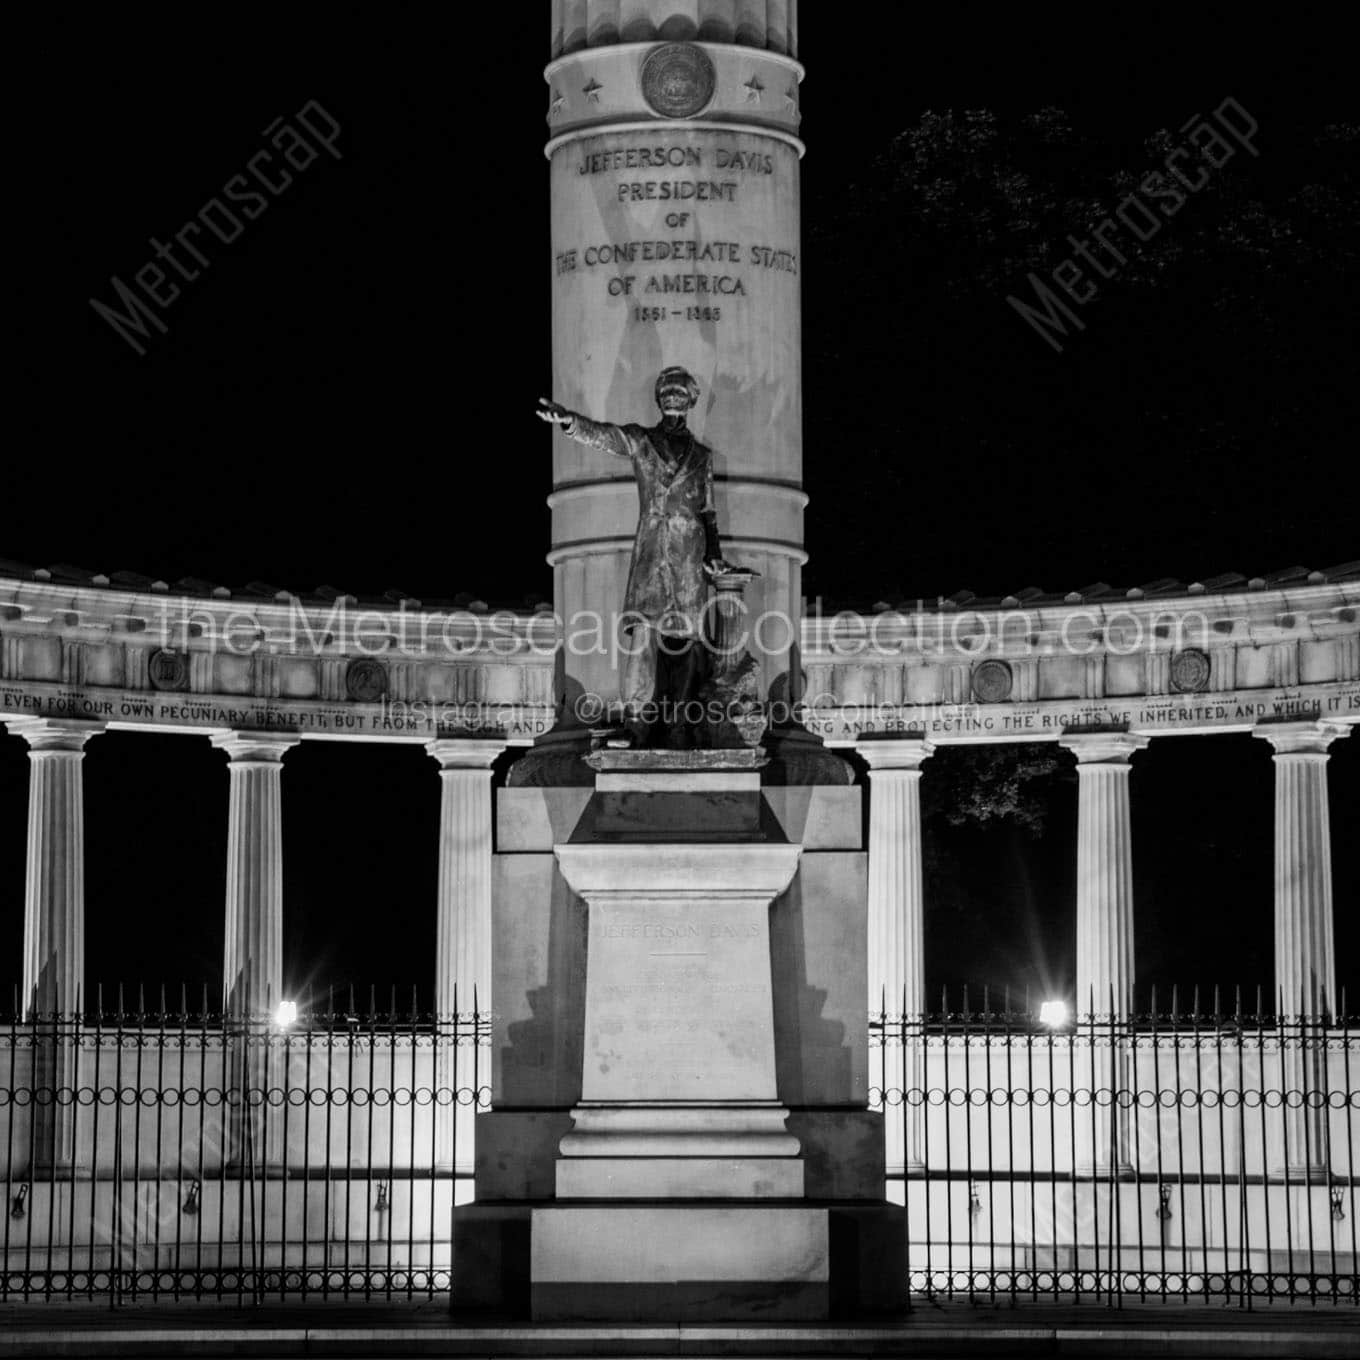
(1305,955)
(896,929)
(54,886)
(463,933)
(252,962)
(54,920)
(1305,951)
(1104,942)
(675,191)
(252,957)
(1104,870)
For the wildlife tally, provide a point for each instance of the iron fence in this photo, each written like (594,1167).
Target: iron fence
(1177,1156)
(154,1153)
(151,1154)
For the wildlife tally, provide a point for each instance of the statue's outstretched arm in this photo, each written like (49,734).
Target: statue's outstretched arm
(595,433)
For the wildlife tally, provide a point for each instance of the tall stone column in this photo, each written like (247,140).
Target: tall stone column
(1305,952)
(896,931)
(54,886)
(675,240)
(1104,871)
(1305,955)
(463,936)
(252,960)
(54,919)
(1104,940)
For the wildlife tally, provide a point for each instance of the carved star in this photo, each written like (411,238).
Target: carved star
(791,99)
(592,91)
(555,107)
(754,89)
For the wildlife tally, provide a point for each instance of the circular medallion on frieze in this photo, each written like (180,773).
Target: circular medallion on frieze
(168,670)
(1190,671)
(365,680)
(678,80)
(992,682)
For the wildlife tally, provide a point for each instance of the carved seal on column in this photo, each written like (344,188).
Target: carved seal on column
(168,670)
(992,682)
(678,80)
(365,680)
(1190,671)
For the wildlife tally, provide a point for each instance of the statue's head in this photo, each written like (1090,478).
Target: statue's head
(676,391)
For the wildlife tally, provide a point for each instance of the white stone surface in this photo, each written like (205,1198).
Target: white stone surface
(463,928)
(1105,970)
(1305,952)
(1305,948)
(252,963)
(678,243)
(696,781)
(896,930)
(54,917)
(54,883)
(678,1245)
(743,1177)
(679,1052)
(679,1001)
(1105,964)
(252,960)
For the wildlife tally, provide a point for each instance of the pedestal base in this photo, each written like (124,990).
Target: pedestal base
(641,1261)
(675,1151)
(680,1178)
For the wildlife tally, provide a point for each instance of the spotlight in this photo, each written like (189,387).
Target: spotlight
(286,1014)
(1053,1014)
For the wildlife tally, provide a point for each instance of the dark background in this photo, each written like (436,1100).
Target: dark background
(345,397)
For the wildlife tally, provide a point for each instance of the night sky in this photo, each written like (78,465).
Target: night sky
(345,397)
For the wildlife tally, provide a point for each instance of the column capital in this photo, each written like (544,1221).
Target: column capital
(1310,737)
(465,753)
(1102,748)
(55,734)
(894,753)
(254,748)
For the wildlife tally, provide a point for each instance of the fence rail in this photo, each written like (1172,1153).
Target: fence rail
(1208,1157)
(158,1154)
(155,1154)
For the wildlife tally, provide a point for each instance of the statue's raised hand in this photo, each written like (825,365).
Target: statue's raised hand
(553,413)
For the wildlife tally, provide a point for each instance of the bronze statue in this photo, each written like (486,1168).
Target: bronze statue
(676,548)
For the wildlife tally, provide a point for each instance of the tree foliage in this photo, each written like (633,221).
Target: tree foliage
(986,785)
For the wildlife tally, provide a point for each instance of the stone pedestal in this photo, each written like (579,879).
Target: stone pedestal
(679,1189)
(678,1081)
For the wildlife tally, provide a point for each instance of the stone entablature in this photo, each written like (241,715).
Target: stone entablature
(342,669)
(326,668)
(1200,662)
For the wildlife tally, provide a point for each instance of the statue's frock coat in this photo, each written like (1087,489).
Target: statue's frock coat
(674,471)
